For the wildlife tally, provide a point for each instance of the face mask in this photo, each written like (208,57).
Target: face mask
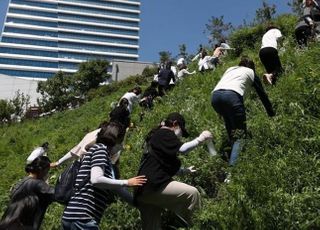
(178,132)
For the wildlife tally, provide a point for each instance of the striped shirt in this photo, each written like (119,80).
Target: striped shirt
(89,202)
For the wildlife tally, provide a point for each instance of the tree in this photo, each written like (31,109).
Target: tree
(296,6)
(91,74)
(265,13)
(165,56)
(149,71)
(20,103)
(6,109)
(57,92)
(217,29)
(183,51)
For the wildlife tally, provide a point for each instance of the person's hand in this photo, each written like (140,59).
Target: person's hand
(205,135)
(137,181)
(190,169)
(54,164)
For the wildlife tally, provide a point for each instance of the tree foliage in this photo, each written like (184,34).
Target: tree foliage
(91,74)
(57,92)
(165,56)
(265,13)
(6,109)
(65,90)
(20,103)
(296,6)
(217,29)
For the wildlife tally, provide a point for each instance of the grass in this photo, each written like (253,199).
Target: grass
(275,184)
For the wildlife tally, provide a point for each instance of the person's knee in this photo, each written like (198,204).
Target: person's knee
(194,197)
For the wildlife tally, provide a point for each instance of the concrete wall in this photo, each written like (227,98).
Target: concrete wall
(10,85)
(123,69)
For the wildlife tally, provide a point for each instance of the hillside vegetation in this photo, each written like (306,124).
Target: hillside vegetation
(276,182)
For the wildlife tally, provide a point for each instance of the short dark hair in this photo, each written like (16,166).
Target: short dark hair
(124,102)
(270,27)
(247,62)
(137,89)
(111,133)
(38,165)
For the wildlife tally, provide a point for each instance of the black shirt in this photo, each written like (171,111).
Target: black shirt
(121,115)
(29,186)
(150,92)
(162,162)
(165,76)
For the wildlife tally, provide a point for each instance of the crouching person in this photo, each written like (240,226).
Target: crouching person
(96,184)
(30,198)
(159,164)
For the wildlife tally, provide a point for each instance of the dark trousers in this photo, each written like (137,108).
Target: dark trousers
(302,34)
(271,61)
(229,105)
(162,89)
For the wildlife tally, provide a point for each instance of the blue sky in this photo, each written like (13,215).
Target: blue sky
(166,24)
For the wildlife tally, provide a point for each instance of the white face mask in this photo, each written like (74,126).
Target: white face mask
(178,132)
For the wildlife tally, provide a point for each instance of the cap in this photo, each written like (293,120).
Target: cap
(40,151)
(181,121)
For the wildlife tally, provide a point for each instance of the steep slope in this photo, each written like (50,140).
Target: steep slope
(275,183)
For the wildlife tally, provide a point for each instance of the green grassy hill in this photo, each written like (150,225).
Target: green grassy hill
(275,184)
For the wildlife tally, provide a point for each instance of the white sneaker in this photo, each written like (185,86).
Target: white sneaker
(228,178)
(268,78)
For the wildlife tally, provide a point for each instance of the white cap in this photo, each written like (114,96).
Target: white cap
(40,151)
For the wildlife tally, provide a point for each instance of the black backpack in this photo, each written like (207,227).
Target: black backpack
(65,185)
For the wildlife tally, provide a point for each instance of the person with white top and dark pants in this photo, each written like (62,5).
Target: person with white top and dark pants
(227,100)
(269,54)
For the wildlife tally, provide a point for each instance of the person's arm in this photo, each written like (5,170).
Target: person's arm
(195,57)
(263,96)
(188,146)
(46,190)
(187,72)
(98,179)
(66,157)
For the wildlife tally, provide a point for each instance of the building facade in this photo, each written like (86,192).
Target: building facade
(41,37)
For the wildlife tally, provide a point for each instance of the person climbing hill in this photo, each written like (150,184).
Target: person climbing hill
(228,101)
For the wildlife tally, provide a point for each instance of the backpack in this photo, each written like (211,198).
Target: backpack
(65,186)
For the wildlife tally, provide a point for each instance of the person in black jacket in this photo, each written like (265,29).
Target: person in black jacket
(159,165)
(164,77)
(149,94)
(121,113)
(29,198)
(309,24)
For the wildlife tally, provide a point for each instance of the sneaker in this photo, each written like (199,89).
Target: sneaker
(228,178)
(268,78)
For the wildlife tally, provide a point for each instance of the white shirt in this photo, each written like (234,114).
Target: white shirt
(206,63)
(236,78)
(180,61)
(184,72)
(174,70)
(270,38)
(132,98)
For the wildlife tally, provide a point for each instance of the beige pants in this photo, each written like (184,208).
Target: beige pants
(176,196)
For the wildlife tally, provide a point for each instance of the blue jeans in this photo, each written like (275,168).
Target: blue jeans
(229,105)
(80,225)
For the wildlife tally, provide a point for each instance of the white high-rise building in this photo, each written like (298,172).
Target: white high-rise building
(41,37)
